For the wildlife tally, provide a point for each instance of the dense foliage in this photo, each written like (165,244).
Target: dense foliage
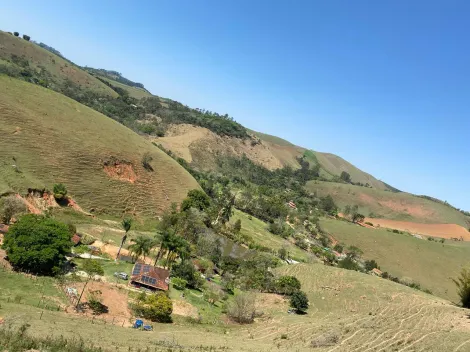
(155,307)
(37,244)
(463,285)
(9,207)
(299,301)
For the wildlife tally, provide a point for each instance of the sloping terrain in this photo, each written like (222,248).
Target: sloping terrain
(134,92)
(431,264)
(20,54)
(48,138)
(349,312)
(399,206)
(334,165)
(201,146)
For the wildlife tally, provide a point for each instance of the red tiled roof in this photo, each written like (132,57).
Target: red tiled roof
(151,276)
(76,239)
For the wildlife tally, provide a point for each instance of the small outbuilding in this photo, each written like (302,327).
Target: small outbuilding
(150,277)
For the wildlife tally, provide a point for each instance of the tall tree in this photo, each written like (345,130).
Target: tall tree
(91,267)
(141,247)
(126,225)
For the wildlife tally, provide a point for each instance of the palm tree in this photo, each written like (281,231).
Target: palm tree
(126,225)
(141,247)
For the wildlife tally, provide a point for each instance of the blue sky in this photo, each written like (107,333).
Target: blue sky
(384,84)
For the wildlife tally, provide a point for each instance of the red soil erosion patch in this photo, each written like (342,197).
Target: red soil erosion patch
(122,172)
(434,230)
(415,210)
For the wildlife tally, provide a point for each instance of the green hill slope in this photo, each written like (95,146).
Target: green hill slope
(50,138)
(431,264)
(389,205)
(23,56)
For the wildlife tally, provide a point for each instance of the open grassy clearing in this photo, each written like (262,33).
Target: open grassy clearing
(429,263)
(50,138)
(257,230)
(349,311)
(41,59)
(134,92)
(395,206)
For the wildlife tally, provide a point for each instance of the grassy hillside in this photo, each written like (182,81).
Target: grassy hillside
(134,92)
(19,54)
(429,263)
(257,230)
(48,138)
(334,165)
(383,204)
(349,312)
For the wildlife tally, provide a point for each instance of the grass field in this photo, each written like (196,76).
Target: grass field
(349,312)
(134,92)
(50,138)
(395,206)
(41,59)
(429,263)
(256,229)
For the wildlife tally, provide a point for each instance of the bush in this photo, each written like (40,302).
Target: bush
(299,301)
(146,160)
(348,263)
(338,248)
(9,207)
(87,239)
(26,37)
(156,307)
(371,264)
(94,302)
(243,308)
(179,283)
(16,34)
(287,285)
(196,199)
(60,192)
(463,285)
(37,244)
(369,223)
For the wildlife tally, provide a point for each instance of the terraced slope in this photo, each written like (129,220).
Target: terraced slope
(20,54)
(48,138)
(394,206)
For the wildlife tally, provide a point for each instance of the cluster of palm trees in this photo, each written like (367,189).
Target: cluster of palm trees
(168,242)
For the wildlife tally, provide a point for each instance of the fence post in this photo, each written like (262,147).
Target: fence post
(41,314)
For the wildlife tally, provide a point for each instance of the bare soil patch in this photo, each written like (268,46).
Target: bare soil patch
(434,230)
(184,308)
(122,172)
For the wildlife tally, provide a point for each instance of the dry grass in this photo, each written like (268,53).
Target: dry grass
(59,68)
(134,92)
(50,139)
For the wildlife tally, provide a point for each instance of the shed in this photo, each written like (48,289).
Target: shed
(376,272)
(151,277)
(76,239)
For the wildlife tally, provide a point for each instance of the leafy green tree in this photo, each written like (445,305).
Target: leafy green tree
(60,192)
(9,207)
(370,264)
(16,34)
(338,248)
(327,204)
(348,263)
(26,37)
(126,225)
(357,218)
(179,283)
(188,272)
(37,244)
(299,301)
(345,176)
(463,287)
(237,226)
(283,254)
(354,252)
(141,247)
(196,199)
(287,285)
(155,307)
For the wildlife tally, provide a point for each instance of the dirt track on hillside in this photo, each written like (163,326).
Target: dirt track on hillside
(435,230)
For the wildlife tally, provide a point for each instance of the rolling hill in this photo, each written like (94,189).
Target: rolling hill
(399,206)
(23,56)
(48,138)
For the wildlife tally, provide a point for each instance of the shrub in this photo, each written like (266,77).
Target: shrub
(371,264)
(156,307)
(196,199)
(94,302)
(338,248)
(146,160)
(87,239)
(9,207)
(243,308)
(463,285)
(60,192)
(299,301)
(369,223)
(26,37)
(16,34)
(282,252)
(37,244)
(179,283)
(348,263)
(287,285)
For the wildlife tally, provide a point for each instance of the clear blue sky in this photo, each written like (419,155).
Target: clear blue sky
(384,84)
